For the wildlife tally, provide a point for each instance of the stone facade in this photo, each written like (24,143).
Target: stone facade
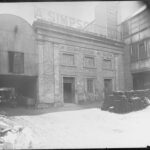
(69,53)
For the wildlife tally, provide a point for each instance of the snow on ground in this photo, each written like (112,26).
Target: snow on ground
(89,128)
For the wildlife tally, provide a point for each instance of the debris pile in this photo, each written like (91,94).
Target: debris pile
(123,102)
(14,136)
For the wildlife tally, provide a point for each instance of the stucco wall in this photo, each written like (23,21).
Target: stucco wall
(17,35)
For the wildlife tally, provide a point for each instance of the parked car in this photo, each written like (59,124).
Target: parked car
(8,95)
(128,101)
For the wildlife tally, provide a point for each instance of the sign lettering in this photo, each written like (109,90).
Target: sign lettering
(53,17)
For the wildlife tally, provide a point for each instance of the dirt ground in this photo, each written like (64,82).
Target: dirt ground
(86,128)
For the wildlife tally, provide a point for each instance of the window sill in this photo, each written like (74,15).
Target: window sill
(14,73)
(140,60)
(68,65)
(89,67)
(108,69)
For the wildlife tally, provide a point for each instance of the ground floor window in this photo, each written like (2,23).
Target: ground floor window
(90,85)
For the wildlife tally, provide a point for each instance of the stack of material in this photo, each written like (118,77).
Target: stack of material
(13,136)
(122,102)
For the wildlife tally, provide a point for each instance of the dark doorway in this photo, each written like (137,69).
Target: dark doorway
(107,87)
(68,89)
(24,85)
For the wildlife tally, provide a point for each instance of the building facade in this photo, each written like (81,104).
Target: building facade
(136,34)
(76,66)
(56,64)
(18,56)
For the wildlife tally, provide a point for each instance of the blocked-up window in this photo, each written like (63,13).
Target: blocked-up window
(16,62)
(68,59)
(89,61)
(90,85)
(107,63)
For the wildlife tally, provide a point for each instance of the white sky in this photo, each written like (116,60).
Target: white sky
(79,10)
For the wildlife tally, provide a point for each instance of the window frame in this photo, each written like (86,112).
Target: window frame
(67,64)
(89,66)
(142,57)
(88,88)
(108,59)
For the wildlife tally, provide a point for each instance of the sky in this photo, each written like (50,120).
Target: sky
(80,10)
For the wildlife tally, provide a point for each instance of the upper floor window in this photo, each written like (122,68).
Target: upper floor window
(134,53)
(148,47)
(68,59)
(89,61)
(142,51)
(107,63)
(16,62)
(139,51)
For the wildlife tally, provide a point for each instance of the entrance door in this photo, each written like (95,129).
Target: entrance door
(107,87)
(68,89)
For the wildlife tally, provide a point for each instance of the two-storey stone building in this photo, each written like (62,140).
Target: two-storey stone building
(75,65)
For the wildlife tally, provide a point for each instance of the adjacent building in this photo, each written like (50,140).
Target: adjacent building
(136,34)
(18,56)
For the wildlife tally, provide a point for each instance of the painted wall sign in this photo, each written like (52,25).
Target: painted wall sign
(48,15)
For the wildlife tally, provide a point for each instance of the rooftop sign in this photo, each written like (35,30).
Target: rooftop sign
(50,16)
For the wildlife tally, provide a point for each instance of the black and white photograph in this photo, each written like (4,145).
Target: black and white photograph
(74,74)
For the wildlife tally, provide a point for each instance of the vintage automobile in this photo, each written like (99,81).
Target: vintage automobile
(123,102)
(8,95)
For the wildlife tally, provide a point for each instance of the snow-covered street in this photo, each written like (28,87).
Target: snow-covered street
(89,128)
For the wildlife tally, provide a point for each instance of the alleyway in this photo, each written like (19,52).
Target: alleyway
(88,128)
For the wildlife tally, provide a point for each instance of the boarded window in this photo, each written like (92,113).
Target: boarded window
(107,63)
(68,59)
(90,85)
(16,62)
(89,61)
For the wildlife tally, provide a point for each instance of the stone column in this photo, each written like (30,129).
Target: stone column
(45,75)
(127,70)
(79,89)
(40,71)
(99,82)
(57,78)
(119,75)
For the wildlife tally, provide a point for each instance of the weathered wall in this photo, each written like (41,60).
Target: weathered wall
(128,80)
(17,35)
(71,42)
(46,72)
